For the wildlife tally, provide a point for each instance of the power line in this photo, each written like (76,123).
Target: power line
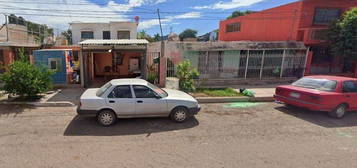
(146,9)
(110,17)
(169,17)
(61,10)
(74,12)
(57,3)
(125,11)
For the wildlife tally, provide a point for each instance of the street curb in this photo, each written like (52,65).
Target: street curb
(233,99)
(202,100)
(41,104)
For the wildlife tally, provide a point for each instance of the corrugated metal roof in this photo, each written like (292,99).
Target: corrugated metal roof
(114,42)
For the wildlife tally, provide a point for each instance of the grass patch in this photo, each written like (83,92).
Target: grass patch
(218,92)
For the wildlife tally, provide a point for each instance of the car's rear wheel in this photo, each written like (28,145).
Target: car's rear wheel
(179,114)
(106,117)
(339,111)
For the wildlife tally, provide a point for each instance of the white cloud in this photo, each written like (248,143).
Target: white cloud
(154,22)
(229,5)
(188,15)
(117,11)
(160,1)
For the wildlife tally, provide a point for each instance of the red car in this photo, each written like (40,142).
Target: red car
(333,94)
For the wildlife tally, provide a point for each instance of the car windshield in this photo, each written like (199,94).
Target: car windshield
(103,89)
(318,84)
(158,90)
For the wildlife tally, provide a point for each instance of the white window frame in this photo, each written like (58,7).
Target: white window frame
(58,64)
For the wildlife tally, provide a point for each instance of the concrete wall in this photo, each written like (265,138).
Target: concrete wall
(276,24)
(42,59)
(17,34)
(230,57)
(98,29)
(283,22)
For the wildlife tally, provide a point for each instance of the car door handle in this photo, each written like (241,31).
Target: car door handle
(139,101)
(111,101)
(348,96)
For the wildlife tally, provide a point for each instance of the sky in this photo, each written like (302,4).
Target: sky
(177,15)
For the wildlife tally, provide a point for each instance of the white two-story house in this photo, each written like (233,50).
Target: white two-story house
(111,30)
(109,50)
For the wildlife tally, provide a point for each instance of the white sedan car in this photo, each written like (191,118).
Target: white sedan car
(129,98)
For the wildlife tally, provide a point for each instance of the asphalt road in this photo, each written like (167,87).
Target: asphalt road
(222,135)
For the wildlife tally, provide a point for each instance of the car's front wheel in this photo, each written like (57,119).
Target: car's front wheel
(339,111)
(106,117)
(179,114)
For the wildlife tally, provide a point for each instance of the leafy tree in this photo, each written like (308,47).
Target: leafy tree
(239,13)
(188,33)
(186,73)
(68,35)
(342,36)
(157,37)
(25,79)
(142,35)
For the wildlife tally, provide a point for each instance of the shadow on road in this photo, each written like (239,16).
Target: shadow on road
(320,118)
(88,126)
(14,109)
(68,94)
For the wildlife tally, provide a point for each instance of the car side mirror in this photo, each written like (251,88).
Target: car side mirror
(157,96)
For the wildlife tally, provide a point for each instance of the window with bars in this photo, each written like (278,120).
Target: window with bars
(87,35)
(233,27)
(123,34)
(324,16)
(106,35)
(55,64)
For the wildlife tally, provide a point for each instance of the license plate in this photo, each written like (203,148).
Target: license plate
(295,95)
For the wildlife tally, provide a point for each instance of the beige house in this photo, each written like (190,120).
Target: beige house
(106,31)
(109,51)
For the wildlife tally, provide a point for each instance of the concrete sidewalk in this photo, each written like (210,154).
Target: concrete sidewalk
(262,94)
(260,91)
(70,97)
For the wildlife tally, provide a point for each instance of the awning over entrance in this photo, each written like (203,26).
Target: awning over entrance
(108,59)
(130,44)
(114,42)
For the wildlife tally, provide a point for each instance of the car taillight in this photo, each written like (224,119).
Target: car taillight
(278,90)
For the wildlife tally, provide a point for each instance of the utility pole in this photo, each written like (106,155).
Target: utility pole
(7,28)
(162,45)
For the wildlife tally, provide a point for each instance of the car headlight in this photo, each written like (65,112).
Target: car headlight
(196,104)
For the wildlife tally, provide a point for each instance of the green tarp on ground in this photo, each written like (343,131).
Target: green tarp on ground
(241,104)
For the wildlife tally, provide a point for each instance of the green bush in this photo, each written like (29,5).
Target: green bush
(25,79)
(152,77)
(186,73)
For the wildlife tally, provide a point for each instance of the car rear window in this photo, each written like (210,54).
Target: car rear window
(103,89)
(318,84)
